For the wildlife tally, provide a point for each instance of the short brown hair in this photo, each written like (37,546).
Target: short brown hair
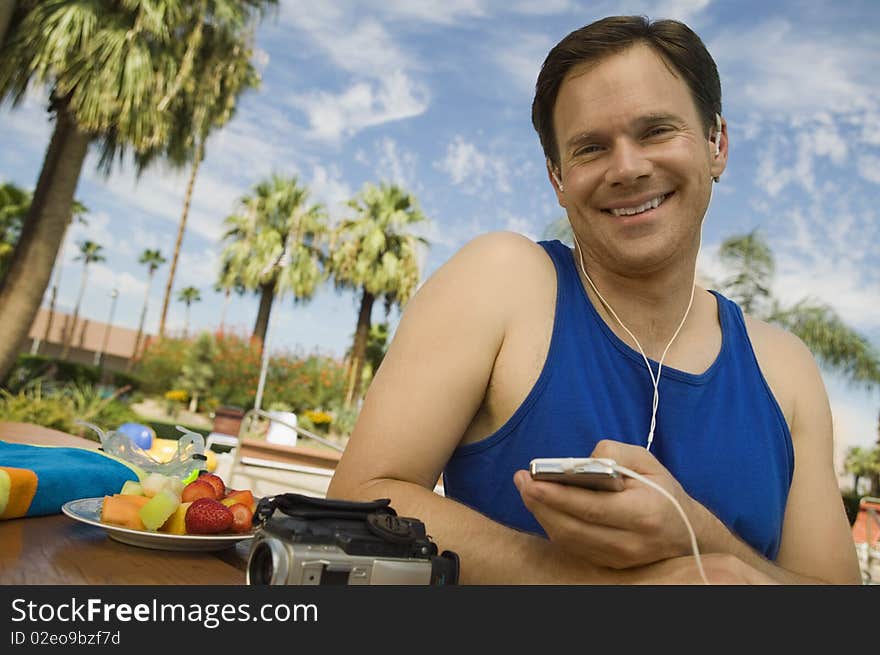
(675,42)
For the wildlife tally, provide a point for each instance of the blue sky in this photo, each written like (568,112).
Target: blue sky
(436,96)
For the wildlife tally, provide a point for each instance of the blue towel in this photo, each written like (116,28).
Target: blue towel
(38,480)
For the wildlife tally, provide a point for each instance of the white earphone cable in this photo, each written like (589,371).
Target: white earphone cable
(693,537)
(656,379)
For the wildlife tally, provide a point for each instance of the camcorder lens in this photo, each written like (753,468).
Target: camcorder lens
(261,566)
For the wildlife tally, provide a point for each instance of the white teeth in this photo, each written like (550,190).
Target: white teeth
(631,211)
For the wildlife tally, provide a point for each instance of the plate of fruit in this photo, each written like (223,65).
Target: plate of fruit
(164,513)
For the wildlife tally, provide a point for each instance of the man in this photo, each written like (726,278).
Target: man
(515,350)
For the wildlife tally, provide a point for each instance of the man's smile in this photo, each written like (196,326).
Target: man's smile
(637,206)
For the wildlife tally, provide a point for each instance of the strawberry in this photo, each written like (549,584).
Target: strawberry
(215,481)
(245,496)
(241,517)
(196,489)
(208,516)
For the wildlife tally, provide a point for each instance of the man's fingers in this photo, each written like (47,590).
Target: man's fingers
(582,505)
(632,457)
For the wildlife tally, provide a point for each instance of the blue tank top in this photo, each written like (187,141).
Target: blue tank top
(720,433)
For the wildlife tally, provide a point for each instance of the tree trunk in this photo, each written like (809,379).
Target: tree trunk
(261,326)
(225,308)
(68,338)
(23,287)
(200,153)
(140,332)
(6,10)
(359,348)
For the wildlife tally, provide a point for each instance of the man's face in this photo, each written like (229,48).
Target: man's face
(636,163)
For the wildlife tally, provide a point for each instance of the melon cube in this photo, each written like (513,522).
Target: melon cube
(157,510)
(123,510)
(132,488)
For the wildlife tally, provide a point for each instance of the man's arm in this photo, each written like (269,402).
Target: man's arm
(817,544)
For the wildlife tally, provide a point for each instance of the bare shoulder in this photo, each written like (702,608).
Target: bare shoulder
(501,255)
(498,267)
(787,365)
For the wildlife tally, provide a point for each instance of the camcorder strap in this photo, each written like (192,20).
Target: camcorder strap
(309,508)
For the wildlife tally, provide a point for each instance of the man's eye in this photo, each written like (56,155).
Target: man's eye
(587,150)
(658,131)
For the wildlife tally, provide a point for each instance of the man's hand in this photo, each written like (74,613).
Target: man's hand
(616,529)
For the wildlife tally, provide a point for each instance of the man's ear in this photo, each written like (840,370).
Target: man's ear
(718,146)
(556,182)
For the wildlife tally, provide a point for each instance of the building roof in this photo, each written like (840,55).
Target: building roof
(88,335)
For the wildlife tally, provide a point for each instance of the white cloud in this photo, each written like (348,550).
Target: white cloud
(683,10)
(521,225)
(521,59)
(431,11)
(382,89)
(541,7)
(472,170)
(98,229)
(328,188)
(869,168)
(364,104)
(396,164)
(107,279)
(778,70)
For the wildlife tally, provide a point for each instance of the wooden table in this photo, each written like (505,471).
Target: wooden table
(56,550)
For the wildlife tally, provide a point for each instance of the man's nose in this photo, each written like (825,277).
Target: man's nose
(627,163)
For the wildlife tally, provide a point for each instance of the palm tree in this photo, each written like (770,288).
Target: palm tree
(188,295)
(376,253)
(6,10)
(14,204)
(89,253)
(108,66)
(861,462)
(218,69)
(834,343)
(153,259)
(274,246)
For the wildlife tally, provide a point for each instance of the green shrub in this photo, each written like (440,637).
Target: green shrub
(31,405)
(80,374)
(26,369)
(59,408)
(316,382)
(236,370)
(120,380)
(300,382)
(161,364)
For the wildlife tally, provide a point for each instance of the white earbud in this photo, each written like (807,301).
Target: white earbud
(556,179)
(717,138)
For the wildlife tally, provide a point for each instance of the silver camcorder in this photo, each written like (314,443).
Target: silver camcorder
(315,541)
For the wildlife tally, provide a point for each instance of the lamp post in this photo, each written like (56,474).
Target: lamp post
(100,354)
